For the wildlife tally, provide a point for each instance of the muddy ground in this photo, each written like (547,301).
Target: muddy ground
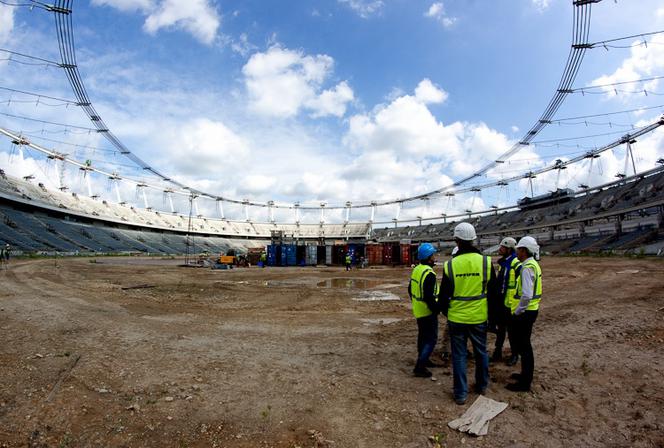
(305,357)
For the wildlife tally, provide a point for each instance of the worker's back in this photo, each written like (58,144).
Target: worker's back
(469,275)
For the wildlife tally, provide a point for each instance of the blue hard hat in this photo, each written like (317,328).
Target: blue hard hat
(425,251)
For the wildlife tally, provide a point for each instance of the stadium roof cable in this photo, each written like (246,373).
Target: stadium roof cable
(40,61)
(583,90)
(606,44)
(581,29)
(606,114)
(39,96)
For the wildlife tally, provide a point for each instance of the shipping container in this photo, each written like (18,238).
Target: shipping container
(301,255)
(351,250)
(288,255)
(391,254)
(405,254)
(320,259)
(339,255)
(374,254)
(312,256)
(413,254)
(273,255)
(328,255)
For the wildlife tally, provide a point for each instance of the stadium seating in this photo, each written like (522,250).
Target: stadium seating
(34,218)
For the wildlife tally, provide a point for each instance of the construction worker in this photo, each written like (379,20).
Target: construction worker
(423,293)
(349,261)
(509,266)
(528,293)
(263,259)
(468,285)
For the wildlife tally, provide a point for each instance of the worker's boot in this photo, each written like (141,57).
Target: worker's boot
(519,386)
(422,372)
(497,355)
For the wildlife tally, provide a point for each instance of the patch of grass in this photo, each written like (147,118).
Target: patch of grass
(65,442)
(585,368)
(437,440)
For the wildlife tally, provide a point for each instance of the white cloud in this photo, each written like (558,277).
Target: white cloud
(437,11)
(197,17)
(428,93)
(127,5)
(203,147)
(541,5)
(406,128)
(281,82)
(643,62)
(514,129)
(242,45)
(6,22)
(364,8)
(332,101)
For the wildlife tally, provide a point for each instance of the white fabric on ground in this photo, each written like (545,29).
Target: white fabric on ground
(476,419)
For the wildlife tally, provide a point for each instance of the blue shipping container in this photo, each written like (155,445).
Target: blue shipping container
(273,255)
(288,255)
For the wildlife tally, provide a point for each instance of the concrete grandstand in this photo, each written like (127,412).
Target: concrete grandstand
(36,219)
(625,215)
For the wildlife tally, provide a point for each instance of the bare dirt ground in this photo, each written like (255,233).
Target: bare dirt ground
(289,357)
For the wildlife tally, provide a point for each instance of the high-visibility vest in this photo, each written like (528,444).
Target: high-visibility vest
(510,289)
(533,305)
(469,274)
(348,259)
(420,308)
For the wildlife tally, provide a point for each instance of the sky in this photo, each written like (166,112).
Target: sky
(331,100)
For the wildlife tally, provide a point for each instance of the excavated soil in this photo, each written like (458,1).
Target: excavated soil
(309,357)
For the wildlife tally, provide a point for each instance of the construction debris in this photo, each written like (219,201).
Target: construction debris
(475,420)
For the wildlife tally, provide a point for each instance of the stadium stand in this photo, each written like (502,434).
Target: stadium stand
(620,216)
(34,218)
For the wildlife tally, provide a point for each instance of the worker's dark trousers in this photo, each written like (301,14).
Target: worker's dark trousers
(521,327)
(427,336)
(502,329)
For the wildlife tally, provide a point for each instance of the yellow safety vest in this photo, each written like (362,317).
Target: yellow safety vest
(420,308)
(510,291)
(469,274)
(533,305)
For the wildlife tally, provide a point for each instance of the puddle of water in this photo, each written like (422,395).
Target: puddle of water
(359,283)
(376,296)
(380,321)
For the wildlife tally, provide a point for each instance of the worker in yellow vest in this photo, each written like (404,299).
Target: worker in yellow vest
(526,307)
(423,293)
(468,285)
(507,275)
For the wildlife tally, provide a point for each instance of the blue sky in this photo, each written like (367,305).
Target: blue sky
(332,100)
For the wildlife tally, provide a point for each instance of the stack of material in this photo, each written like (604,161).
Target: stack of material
(475,420)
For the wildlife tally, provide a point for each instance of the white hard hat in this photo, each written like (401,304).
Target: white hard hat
(465,231)
(528,242)
(508,242)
